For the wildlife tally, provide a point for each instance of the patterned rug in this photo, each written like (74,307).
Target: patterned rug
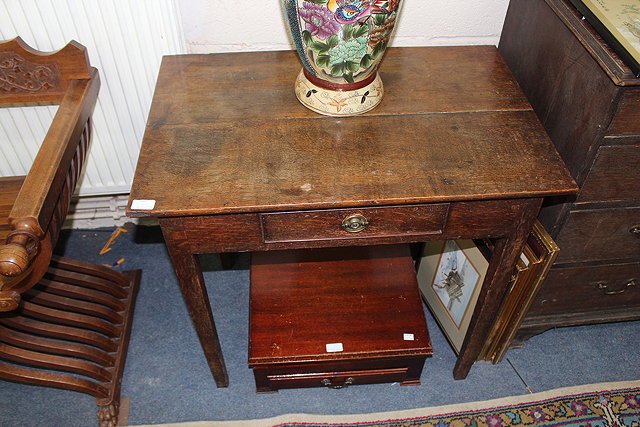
(595,405)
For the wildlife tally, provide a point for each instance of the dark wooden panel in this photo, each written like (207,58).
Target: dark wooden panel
(627,119)
(577,290)
(364,298)
(327,224)
(614,175)
(569,91)
(604,234)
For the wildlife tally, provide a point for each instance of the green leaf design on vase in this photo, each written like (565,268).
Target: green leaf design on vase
(361,30)
(306,36)
(366,61)
(347,55)
(333,41)
(379,19)
(349,78)
(323,60)
(319,46)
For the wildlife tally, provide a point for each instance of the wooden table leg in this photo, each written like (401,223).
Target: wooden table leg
(505,254)
(187,268)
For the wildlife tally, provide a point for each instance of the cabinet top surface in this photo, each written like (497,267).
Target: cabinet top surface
(226,134)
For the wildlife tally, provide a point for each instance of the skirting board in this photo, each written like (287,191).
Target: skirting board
(101,211)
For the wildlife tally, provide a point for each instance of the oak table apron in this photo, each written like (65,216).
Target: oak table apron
(231,162)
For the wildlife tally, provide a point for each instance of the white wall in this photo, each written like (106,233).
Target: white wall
(249,25)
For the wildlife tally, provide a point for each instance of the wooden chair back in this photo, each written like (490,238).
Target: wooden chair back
(33,208)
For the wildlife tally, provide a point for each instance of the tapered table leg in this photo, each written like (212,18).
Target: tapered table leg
(189,273)
(505,254)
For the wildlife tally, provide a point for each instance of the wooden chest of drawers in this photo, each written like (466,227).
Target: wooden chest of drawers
(336,317)
(589,103)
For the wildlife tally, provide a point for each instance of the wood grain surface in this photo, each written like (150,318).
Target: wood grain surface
(364,298)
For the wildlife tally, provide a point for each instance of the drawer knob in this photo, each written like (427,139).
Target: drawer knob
(635,230)
(327,382)
(605,288)
(354,223)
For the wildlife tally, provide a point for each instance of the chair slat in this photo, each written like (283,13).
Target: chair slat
(71,319)
(50,361)
(81,293)
(58,331)
(72,305)
(32,376)
(48,345)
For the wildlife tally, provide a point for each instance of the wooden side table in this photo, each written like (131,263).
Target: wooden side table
(232,162)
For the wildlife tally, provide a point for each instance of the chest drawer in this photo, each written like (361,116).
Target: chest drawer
(340,224)
(600,234)
(590,288)
(627,119)
(614,175)
(338,374)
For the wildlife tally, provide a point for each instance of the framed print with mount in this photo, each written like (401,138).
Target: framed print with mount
(618,23)
(450,275)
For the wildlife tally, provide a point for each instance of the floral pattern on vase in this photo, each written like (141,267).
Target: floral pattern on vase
(341,41)
(341,44)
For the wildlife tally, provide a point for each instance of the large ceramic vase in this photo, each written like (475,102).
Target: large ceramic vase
(341,44)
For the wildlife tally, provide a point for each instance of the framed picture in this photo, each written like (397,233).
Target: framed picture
(618,23)
(450,275)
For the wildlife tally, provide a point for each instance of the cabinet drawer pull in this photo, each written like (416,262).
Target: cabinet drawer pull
(603,286)
(327,382)
(635,230)
(354,223)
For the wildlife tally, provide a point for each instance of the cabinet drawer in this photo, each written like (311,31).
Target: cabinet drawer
(613,176)
(337,379)
(591,288)
(412,220)
(602,234)
(627,118)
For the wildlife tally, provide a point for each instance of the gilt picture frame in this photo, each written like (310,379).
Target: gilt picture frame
(450,276)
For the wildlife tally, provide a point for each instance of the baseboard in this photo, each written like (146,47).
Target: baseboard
(101,211)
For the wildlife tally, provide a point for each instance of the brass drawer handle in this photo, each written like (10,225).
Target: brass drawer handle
(635,230)
(327,382)
(603,286)
(354,223)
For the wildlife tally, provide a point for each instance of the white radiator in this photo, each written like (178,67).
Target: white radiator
(126,40)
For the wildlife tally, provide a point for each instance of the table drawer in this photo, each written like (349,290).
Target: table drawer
(600,234)
(340,224)
(590,288)
(613,176)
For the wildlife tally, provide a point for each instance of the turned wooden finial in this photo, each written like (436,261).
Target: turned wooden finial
(14,259)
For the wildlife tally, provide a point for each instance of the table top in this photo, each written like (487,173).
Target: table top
(226,134)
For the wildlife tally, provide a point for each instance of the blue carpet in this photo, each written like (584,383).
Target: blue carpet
(167,380)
